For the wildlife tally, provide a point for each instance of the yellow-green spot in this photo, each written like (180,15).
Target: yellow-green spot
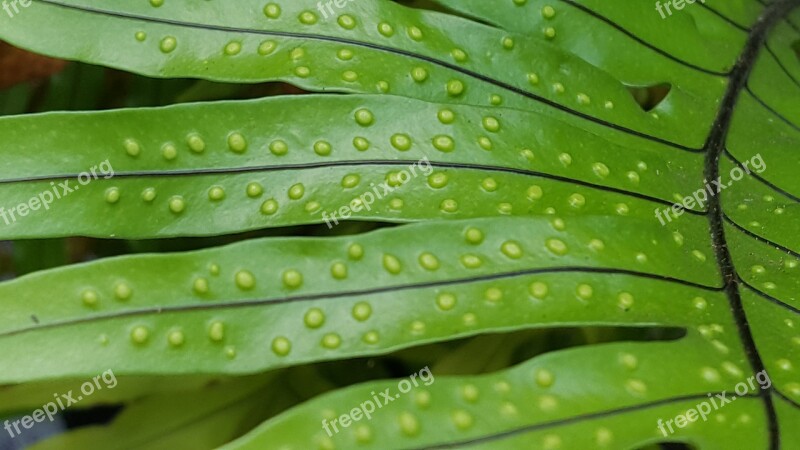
(176,338)
(148,195)
(90,298)
(391,264)
(339,271)
(269,207)
(237,143)
(512,249)
(216,193)
(168,44)
(112,195)
(292,279)
(314,318)
(140,335)
(362,311)
(245,280)
(446,116)
(419,74)
(347,21)
(272,10)
(297,191)
(200,286)
(322,148)
(355,251)
(122,291)
(216,331)
(331,341)
(281,346)
(132,148)
(177,204)
(428,261)
(196,143)
(446,301)
(308,18)
(267,48)
(455,88)
(254,189)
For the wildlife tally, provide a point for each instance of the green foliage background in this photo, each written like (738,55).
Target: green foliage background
(527,269)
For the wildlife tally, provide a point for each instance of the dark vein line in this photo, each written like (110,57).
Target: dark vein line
(569,421)
(351,163)
(334,295)
(725,18)
(786,399)
(792,24)
(715,146)
(624,31)
(768,297)
(780,64)
(762,179)
(770,109)
(788,20)
(397,51)
(760,238)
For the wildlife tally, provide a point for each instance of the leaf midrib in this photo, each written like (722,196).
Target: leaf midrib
(351,293)
(351,163)
(572,420)
(715,147)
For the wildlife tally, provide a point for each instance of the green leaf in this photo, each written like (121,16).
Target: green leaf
(550,402)
(550,210)
(253,173)
(383,49)
(201,419)
(216,312)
